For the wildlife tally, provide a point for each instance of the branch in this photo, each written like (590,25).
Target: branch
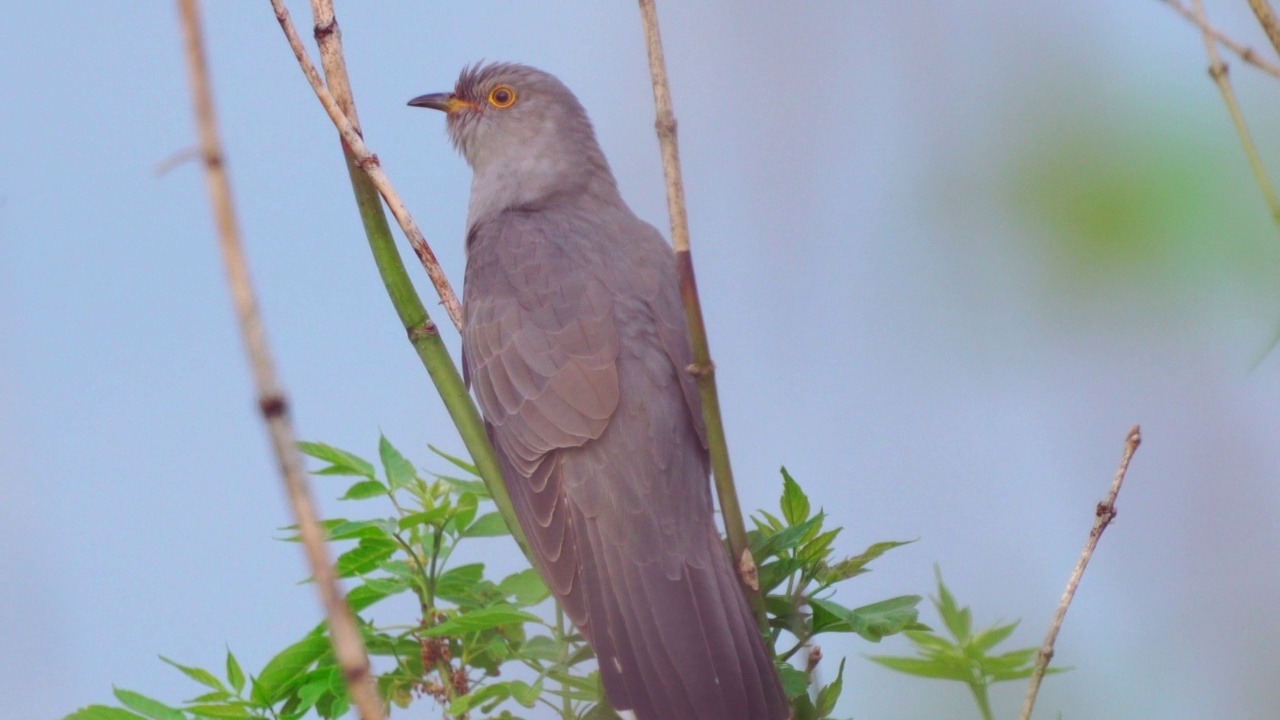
(703,369)
(345,636)
(368,182)
(1103,515)
(365,158)
(1248,54)
(1267,19)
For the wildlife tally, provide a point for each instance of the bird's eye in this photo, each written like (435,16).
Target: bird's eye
(502,96)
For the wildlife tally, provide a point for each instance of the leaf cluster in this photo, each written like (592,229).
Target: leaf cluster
(798,572)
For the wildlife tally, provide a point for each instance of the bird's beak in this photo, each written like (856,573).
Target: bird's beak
(446,102)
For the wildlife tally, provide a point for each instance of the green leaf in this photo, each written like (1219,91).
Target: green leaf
(235,675)
(526,586)
(145,705)
(887,617)
(364,490)
(526,694)
(102,712)
(433,517)
(988,639)
(828,695)
(200,675)
(400,472)
(460,582)
(489,524)
(540,647)
(856,565)
(920,667)
(795,504)
(365,556)
(362,596)
(475,487)
(341,462)
(289,665)
(788,538)
(465,511)
(458,462)
(481,619)
(959,621)
(218,711)
(351,530)
(794,682)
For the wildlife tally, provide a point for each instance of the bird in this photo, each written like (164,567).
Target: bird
(576,346)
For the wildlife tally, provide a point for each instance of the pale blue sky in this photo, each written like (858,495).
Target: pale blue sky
(890,320)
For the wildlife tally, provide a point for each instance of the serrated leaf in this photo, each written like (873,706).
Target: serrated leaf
(481,619)
(151,708)
(794,682)
(340,462)
(489,524)
(364,490)
(102,712)
(988,639)
(828,695)
(200,675)
(924,668)
(794,503)
(362,596)
(526,586)
(788,538)
(289,665)
(400,472)
(856,565)
(456,461)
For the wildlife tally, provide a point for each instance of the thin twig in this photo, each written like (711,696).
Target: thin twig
(1246,53)
(703,369)
(422,331)
(347,646)
(1103,515)
(371,165)
(1267,19)
(1218,71)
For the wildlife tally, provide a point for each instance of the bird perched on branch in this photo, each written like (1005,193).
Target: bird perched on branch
(575,343)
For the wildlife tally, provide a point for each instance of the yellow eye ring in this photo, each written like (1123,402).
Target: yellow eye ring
(502,96)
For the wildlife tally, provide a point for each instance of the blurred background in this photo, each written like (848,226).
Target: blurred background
(949,253)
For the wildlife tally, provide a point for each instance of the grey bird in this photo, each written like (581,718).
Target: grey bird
(575,344)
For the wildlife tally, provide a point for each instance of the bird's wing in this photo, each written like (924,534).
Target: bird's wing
(540,350)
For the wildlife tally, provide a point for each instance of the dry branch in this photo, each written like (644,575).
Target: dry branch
(703,369)
(347,646)
(369,162)
(1103,515)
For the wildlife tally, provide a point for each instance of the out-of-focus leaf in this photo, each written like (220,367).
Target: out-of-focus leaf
(287,666)
(828,695)
(456,461)
(488,525)
(526,586)
(365,489)
(235,675)
(794,682)
(365,556)
(102,712)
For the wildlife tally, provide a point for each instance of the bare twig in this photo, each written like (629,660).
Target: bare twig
(1103,515)
(1246,53)
(347,646)
(1218,71)
(369,162)
(1267,19)
(703,369)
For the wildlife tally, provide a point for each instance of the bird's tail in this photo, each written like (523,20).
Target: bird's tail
(679,646)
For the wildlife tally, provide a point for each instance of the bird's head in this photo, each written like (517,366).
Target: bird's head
(523,133)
